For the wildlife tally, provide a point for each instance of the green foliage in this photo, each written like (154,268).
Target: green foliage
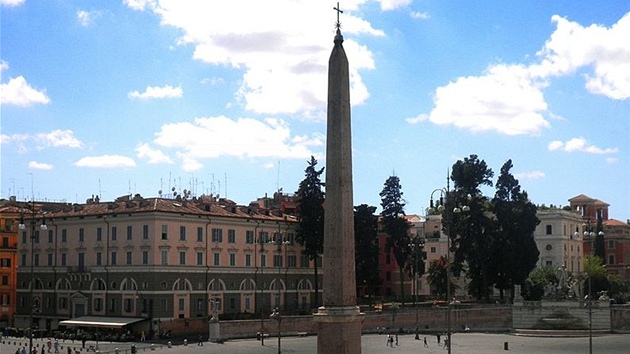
(394,224)
(366,247)
(533,288)
(514,244)
(310,205)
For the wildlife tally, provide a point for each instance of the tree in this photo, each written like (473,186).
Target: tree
(595,271)
(514,246)
(310,205)
(394,225)
(471,232)
(437,276)
(366,247)
(534,286)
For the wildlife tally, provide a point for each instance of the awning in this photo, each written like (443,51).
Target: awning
(95,321)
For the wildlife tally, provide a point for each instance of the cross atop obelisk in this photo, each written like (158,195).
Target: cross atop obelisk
(338,24)
(339,319)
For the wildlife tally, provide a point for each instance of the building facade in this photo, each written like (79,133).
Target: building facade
(9,216)
(160,259)
(559,239)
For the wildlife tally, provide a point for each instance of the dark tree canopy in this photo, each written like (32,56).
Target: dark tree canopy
(513,241)
(394,224)
(366,247)
(310,205)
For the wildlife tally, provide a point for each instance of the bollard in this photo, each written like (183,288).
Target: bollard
(169,344)
(505,346)
(152,346)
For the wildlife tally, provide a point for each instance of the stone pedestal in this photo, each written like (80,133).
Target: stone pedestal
(214,331)
(338,322)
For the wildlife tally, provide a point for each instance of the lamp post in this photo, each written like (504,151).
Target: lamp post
(444,194)
(275,315)
(261,242)
(278,241)
(590,235)
(418,243)
(34,306)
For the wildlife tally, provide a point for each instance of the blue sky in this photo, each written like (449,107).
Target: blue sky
(228,97)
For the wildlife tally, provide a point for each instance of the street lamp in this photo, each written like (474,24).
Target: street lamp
(275,315)
(444,194)
(260,240)
(416,246)
(590,235)
(34,306)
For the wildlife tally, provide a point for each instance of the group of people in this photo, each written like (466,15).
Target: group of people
(393,338)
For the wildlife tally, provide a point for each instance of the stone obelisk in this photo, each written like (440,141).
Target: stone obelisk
(339,319)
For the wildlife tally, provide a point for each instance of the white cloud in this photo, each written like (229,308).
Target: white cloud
(387,5)
(530,175)
(155,92)
(18,92)
(3,66)
(283,57)
(508,98)
(11,3)
(144,151)
(579,145)
(106,161)
(419,15)
(611,160)
(418,119)
(34,165)
(208,138)
(86,18)
(56,138)
(605,50)
(504,100)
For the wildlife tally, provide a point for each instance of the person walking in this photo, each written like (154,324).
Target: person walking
(438,338)
(200,343)
(426,345)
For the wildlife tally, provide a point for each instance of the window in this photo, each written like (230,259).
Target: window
(129,232)
(128,305)
(64,259)
(50,259)
(200,234)
(182,257)
(277,260)
(433,249)
(50,236)
(199,258)
(611,244)
(611,259)
(231,236)
(113,304)
(64,235)
(145,232)
(5,280)
(145,257)
(248,260)
(36,240)
(199,304)
(81,261)
(81,235)
(181,304)
(249,236)
(36,259)
(290,238)
(5,263)
(129,257)
(63,303)
(164,232)
(264,237)
(98,305)
(182,233)
(114,233)
(216,258)
(291,261)
(548,263)
(263,260)
(113,258)
(548,229)
(304,261)
(217,235)
(24,237)
(99,258)
(23,262)
(232,259)
(164,257)
(99,234)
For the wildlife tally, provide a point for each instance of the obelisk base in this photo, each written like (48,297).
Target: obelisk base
(338,330)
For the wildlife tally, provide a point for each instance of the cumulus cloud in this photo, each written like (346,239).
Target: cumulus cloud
(508,98)
(144,151)
(11,3)
(34,165)
(86,18)
(530,175)
(419,15)
(106,161)
(282,57)
(579,145)
(18,92)
(387,5)
(214,137)
(55,139)
(155,92)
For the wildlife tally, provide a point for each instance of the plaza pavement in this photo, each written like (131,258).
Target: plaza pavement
(469,343)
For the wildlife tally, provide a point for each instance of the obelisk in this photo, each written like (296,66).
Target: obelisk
(339,319)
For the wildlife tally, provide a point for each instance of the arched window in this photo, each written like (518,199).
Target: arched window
(98,284)
(216,285)
(64,284)
(247,284)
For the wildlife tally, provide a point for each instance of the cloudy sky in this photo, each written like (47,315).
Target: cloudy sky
(228,97)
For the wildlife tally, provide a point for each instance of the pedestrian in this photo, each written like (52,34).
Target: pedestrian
(388,338)
(446,344)
(49,345)
(397,339)
(426,345)
(56,345)
(23,350)
(200,343)
(438,338)
(142,336)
